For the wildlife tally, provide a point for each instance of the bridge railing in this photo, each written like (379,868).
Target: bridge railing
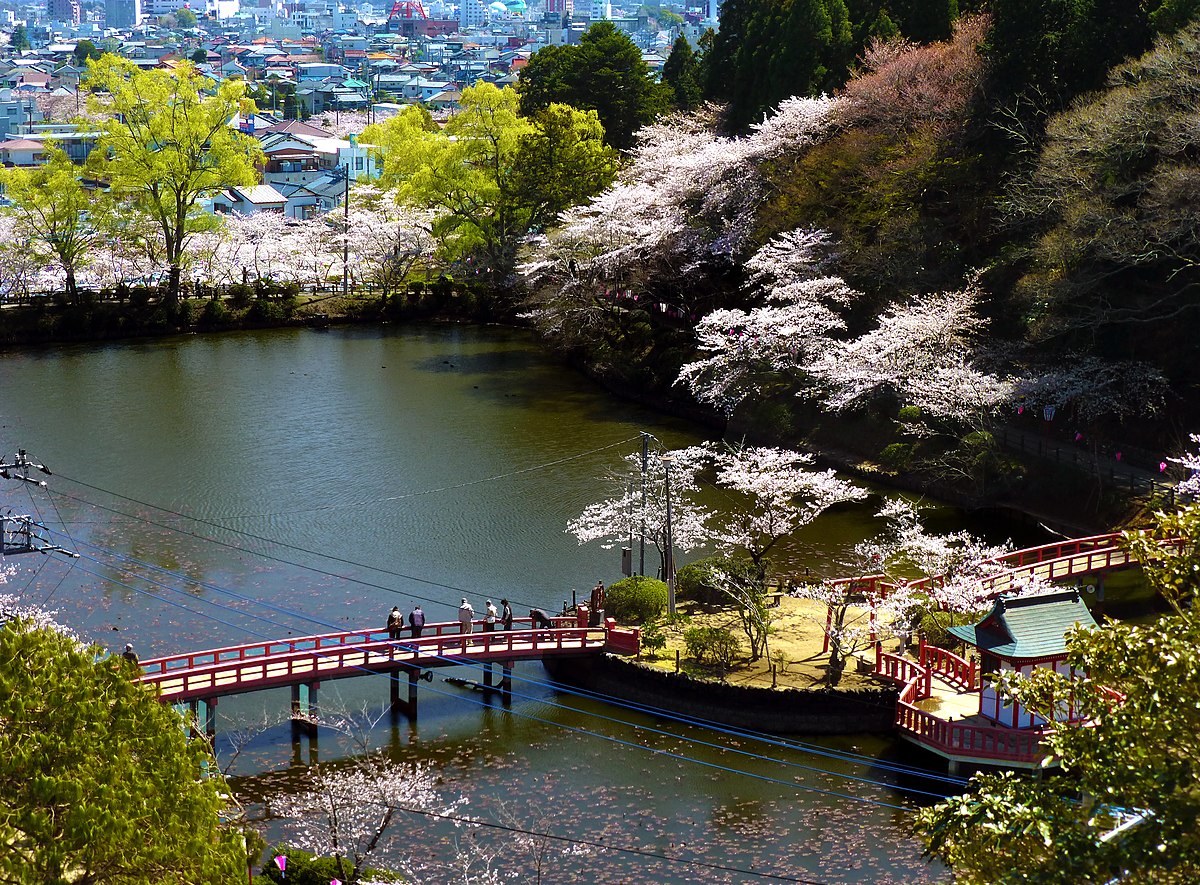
(955,671)
(965,739)
(447,633)
(260,665)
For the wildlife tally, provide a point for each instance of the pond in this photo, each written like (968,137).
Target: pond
(225,488)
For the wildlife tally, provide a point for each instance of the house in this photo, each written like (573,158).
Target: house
(249,200)
(22,152)
(1019,634)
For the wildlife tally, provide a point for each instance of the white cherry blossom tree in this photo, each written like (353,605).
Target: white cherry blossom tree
(357,815)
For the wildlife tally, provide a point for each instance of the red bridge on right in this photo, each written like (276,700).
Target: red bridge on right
(950,704)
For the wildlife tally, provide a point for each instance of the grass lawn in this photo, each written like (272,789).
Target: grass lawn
(795,648)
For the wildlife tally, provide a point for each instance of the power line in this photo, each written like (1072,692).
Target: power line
(574,729)
(407,495)
(605,698)
(649,710)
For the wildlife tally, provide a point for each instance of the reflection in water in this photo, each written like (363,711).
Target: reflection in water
(232,487)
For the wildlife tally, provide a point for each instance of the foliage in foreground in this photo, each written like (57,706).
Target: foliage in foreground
(1137,763)
(100,783)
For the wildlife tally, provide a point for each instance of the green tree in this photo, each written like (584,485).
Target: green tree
(1112,257)
(682,73)
(199,57)
(605,73)
(1043,53)
(769,50)
(185,18)
(492,175)
(165,144)
(100,782)
(61,218)
(20,38)
(85,50)
(1137,762)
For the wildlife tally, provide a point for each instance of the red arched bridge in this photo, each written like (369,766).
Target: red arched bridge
(302,663)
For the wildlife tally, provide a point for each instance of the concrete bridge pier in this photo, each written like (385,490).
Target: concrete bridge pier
(304,708)
(489,679)
(407,707)
(202,713)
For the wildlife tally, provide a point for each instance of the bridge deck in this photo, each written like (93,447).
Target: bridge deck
(244,668)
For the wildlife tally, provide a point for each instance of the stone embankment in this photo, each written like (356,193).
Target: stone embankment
(782,711)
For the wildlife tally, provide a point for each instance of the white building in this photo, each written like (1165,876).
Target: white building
(472,14)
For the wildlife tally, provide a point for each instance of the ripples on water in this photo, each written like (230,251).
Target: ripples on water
(334,475)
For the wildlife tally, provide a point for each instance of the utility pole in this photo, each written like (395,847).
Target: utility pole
(666,462)
(17,533)
(642,544)
(346,233)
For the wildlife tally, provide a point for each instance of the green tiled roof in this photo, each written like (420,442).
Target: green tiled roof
(1029,627)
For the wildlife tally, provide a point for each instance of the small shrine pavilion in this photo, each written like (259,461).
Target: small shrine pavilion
(1018,634)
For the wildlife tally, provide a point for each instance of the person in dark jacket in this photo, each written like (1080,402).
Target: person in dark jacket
(395,623)
(416,620)
(506,615)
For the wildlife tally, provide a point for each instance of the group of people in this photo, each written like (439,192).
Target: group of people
(466,618)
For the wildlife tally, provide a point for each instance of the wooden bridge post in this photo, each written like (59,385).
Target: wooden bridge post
(487,674)
(506,681)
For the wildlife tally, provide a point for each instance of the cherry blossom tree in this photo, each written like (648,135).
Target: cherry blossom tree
(352,814)
(923,353)
(747,348)
(948,571)
(770,494)
(629,515)
(1090,389)
(681,213)
(1190,461)
(388,240)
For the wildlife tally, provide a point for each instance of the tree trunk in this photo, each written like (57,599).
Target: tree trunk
(173,287)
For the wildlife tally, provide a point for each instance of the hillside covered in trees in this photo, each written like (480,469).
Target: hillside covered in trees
(944,217)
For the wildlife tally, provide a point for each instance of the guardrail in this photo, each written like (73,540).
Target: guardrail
(251,667)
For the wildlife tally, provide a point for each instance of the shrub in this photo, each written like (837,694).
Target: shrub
(307,869)
(712,645)
(897,456)
(215,313)
(635,600)
(695,580)
(933,627)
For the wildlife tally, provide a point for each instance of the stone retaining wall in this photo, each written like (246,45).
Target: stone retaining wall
(784,711)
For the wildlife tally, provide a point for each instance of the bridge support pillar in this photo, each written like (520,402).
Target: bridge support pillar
(304,707)
(210,717)
(409,707)
(201,716)
(487,674)
(506,681)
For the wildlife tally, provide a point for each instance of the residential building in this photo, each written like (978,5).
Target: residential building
(472,14)
(122,15)
(65,11)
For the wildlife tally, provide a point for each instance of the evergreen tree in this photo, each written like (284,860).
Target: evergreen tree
(682,73)
(605,73)
(20,38)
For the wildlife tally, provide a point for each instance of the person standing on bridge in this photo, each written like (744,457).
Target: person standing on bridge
(416,620)
(130,655)
(506,616)
(465,616)
(395,623)
(490,616)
